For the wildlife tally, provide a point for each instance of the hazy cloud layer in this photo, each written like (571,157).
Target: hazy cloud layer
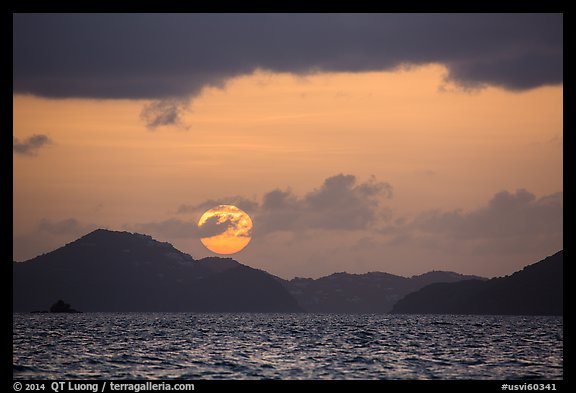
(248,205)
(48,235)
(170,228)
(31,145)
(69,226)
(156,56)
(506,215)
(317,233)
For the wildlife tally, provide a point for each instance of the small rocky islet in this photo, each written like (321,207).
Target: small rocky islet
(59,307)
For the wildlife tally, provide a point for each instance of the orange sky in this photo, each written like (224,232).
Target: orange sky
(438,146)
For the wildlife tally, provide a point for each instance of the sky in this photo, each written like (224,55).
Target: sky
(401,143)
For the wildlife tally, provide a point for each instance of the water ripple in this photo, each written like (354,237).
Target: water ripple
(285,346)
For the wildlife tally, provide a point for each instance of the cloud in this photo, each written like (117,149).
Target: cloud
(215,226)
(162,56)
(332,218)
(166,112)
(48,235)
(31,145)
(510,224)
(69,226)
(544,67)
(341,203)
(170,228)
(240,202)
(506,215)
(178,228)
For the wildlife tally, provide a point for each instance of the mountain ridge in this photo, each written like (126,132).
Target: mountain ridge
(122,271)
(372,292)
(114,258)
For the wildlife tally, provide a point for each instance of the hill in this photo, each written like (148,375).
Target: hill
(122,271)
(535,290)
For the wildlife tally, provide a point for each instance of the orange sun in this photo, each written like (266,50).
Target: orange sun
(225,229)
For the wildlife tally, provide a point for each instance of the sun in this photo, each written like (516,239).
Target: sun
(225,229)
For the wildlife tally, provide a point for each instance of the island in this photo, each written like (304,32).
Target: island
(59,307)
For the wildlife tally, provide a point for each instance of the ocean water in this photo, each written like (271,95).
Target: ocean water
(285,346)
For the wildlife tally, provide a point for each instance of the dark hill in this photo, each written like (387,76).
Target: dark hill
(535,290)
(122,271)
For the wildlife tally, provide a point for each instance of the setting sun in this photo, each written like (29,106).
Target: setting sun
(227,229)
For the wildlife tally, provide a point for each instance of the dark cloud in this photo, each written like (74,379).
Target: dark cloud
(31,145)
(544,67)
(69,226)
(176,228)
(215,226)
(166,112)
(158,56)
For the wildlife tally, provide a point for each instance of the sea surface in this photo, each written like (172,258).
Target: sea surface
(285,346)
